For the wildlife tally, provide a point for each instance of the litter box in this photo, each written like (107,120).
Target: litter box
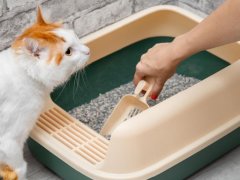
(170,140)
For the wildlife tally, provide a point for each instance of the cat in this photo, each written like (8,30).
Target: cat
(44,56)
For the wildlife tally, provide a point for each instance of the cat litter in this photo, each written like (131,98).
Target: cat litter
(96,112)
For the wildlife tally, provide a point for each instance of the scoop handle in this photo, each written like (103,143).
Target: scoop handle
(146,85)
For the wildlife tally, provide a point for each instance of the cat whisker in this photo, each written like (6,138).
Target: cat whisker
(75,82)
(64,86)
(83,75)
(78,79)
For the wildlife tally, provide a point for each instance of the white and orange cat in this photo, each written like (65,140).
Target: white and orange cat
(41,58)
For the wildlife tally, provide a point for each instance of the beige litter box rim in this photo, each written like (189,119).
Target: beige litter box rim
(98,158)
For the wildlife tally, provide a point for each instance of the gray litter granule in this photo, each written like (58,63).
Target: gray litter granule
(98,110)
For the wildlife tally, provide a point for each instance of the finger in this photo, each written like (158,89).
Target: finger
(150,50)
(145,58)
(142,71)
(139,73)
(142,56)
(146,67)
(157,88)
(137,77)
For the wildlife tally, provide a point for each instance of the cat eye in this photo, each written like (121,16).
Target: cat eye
(68,51)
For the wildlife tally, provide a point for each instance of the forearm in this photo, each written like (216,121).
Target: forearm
(219,28)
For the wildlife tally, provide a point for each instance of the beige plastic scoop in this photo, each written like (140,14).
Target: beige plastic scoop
(127,107)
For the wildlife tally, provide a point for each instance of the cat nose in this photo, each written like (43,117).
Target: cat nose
(85,50)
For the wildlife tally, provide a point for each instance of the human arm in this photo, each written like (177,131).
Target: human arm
(161,61)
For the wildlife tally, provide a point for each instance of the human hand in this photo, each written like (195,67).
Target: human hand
(158,64)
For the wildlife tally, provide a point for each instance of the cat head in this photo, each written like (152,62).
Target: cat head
(49,52)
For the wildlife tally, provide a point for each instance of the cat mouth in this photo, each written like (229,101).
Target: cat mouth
(87,57)
(82,63)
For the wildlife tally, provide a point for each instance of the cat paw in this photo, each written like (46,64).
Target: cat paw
(7,173)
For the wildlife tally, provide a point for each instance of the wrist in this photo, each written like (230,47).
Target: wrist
(182,48)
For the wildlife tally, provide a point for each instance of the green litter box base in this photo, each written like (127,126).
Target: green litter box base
(120,69)
(178,172)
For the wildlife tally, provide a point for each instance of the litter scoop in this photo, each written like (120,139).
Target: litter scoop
(128,106)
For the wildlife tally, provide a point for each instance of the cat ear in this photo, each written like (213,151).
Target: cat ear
(40,19)
(32,46)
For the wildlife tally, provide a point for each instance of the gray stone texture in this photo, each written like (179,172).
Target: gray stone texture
(1,7)
(205,6)
(143,4)
(11,4)
(101,17)
(12,27)
(84,16)
(62,9)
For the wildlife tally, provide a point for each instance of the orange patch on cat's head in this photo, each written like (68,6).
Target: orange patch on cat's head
(42,32)
(59,57)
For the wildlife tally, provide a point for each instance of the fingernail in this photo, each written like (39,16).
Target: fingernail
(154,97)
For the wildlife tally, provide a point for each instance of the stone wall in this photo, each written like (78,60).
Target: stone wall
(84,16)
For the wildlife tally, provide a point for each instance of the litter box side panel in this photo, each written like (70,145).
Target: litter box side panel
(54,163)
(202,158)
(153,22)
(178,172)
(166,134)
